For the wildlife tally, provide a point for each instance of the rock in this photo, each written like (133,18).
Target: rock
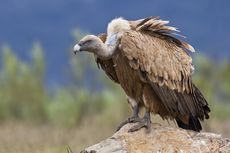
(161,140)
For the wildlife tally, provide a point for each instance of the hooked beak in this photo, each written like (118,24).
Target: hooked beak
(76,48)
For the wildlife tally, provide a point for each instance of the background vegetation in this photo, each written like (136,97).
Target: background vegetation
(34,118)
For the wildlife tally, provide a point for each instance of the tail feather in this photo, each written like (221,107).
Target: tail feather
(193,124)
(202,102)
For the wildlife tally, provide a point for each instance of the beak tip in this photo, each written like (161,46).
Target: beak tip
(76,49)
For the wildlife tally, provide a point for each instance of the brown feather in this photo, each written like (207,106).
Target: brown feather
(151,55)
(157,27)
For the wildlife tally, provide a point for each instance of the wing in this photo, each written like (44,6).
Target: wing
(165,64)
(163,61)
(107,65)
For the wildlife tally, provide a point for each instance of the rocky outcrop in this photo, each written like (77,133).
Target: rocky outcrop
(161,140)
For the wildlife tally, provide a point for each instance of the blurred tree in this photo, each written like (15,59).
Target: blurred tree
(22,87)
(213,80)
(225,81)
(38,62)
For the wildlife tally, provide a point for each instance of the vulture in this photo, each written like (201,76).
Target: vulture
(154,68)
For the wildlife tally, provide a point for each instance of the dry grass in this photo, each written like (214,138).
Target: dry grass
(16,138)
(24,138)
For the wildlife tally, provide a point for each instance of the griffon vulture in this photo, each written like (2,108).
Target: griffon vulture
(153,67)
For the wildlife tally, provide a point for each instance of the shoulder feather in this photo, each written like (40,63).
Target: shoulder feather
(159,28)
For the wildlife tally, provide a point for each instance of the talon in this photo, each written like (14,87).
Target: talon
(144,122)
(121,125)
(133,119)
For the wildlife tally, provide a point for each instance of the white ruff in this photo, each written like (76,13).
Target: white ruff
(117,25)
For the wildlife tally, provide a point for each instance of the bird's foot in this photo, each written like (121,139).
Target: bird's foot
(133,119)
(144,122)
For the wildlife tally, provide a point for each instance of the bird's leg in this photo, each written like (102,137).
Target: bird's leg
(144,122)
(133,119)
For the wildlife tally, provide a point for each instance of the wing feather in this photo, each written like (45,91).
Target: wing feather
(156,26)
(163,61)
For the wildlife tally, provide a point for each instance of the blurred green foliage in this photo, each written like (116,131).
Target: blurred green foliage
(22,92)
(213,79)
(24,96)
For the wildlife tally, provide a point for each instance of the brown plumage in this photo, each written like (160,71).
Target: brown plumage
(154,69)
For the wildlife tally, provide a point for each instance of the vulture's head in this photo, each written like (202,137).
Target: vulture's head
(106,48)
(89,43)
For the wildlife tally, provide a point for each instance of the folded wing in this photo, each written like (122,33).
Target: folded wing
(164,62)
